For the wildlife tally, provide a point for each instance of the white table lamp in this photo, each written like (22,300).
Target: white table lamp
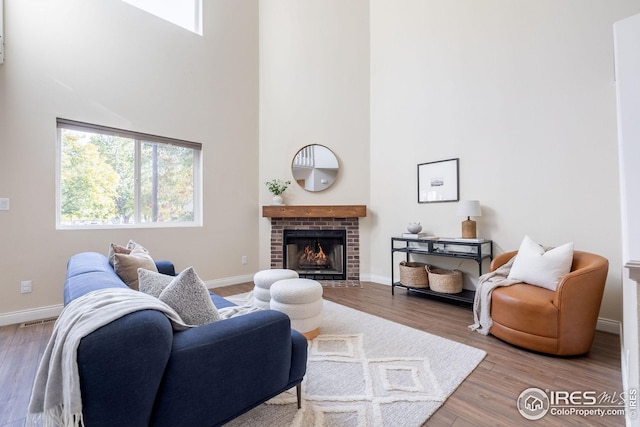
(469,208)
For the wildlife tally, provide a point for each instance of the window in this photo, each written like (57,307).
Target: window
(115,178)
(184,13)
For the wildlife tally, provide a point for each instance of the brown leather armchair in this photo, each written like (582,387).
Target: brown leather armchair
(561,322)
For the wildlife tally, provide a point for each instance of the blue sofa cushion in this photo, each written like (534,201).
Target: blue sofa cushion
(91,271)
(87,273)
(219,301)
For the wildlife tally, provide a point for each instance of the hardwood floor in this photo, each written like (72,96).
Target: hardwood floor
(486,398)
(20,353)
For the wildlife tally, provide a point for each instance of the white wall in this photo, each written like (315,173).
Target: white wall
(109,63)
(314,89)
(523,93)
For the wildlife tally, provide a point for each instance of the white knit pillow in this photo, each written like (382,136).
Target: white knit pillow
(189,297)
(153,283)
(536,266)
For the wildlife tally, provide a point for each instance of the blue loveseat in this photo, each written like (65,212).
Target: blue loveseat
(136,371)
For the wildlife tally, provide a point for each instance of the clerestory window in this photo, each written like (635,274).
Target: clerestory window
(184,13)
(109,177)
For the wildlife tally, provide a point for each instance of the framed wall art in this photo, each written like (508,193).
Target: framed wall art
(438,181)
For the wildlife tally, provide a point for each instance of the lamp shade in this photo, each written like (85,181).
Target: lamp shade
(469,208)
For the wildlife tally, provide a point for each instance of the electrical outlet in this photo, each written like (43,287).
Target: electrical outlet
(4,204)
(244,259)
(25,287)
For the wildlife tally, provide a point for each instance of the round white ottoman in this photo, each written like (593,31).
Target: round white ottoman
(301,300)
(263,281)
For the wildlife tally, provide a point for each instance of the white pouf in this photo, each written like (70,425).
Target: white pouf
(301,300)
(263,281)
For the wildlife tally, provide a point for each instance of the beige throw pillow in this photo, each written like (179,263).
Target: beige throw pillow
(189,297)
(114,249)
(127,265)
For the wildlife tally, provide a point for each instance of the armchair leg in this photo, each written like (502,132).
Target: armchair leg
(299,394)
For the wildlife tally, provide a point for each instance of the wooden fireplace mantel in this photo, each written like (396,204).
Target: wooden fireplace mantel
(317,211)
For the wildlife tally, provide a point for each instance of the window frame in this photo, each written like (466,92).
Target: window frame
(139,138)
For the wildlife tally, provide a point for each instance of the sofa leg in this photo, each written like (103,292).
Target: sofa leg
(299,394)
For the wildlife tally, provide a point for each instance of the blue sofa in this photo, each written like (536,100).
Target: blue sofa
(136,371)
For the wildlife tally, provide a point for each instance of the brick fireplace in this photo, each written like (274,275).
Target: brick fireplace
(317,218)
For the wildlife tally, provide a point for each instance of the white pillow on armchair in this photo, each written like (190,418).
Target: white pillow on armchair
(545,268)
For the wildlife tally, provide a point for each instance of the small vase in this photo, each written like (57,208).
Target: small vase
(414,227)
(277,200)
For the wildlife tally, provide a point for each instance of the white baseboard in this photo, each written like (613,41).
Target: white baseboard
(227,281)
(15,317)
(608,325)
(383,280)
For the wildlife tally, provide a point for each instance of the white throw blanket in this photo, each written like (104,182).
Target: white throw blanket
(244,306)
(55,399)
(482,302)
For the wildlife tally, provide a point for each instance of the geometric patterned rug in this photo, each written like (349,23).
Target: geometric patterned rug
(372,383)
(367,371)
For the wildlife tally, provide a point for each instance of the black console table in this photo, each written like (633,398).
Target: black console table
(472,249)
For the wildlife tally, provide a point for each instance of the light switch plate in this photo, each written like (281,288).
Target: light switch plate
(4,204)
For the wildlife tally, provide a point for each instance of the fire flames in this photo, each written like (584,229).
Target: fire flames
(311,257)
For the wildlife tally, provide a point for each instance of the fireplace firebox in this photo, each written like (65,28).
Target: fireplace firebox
(316,254)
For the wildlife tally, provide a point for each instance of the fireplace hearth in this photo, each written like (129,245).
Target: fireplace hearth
(316,254)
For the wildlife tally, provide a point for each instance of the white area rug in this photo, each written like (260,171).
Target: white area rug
(367,371)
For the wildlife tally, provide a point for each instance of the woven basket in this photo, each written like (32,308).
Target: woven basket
(444,281)
(414,274)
